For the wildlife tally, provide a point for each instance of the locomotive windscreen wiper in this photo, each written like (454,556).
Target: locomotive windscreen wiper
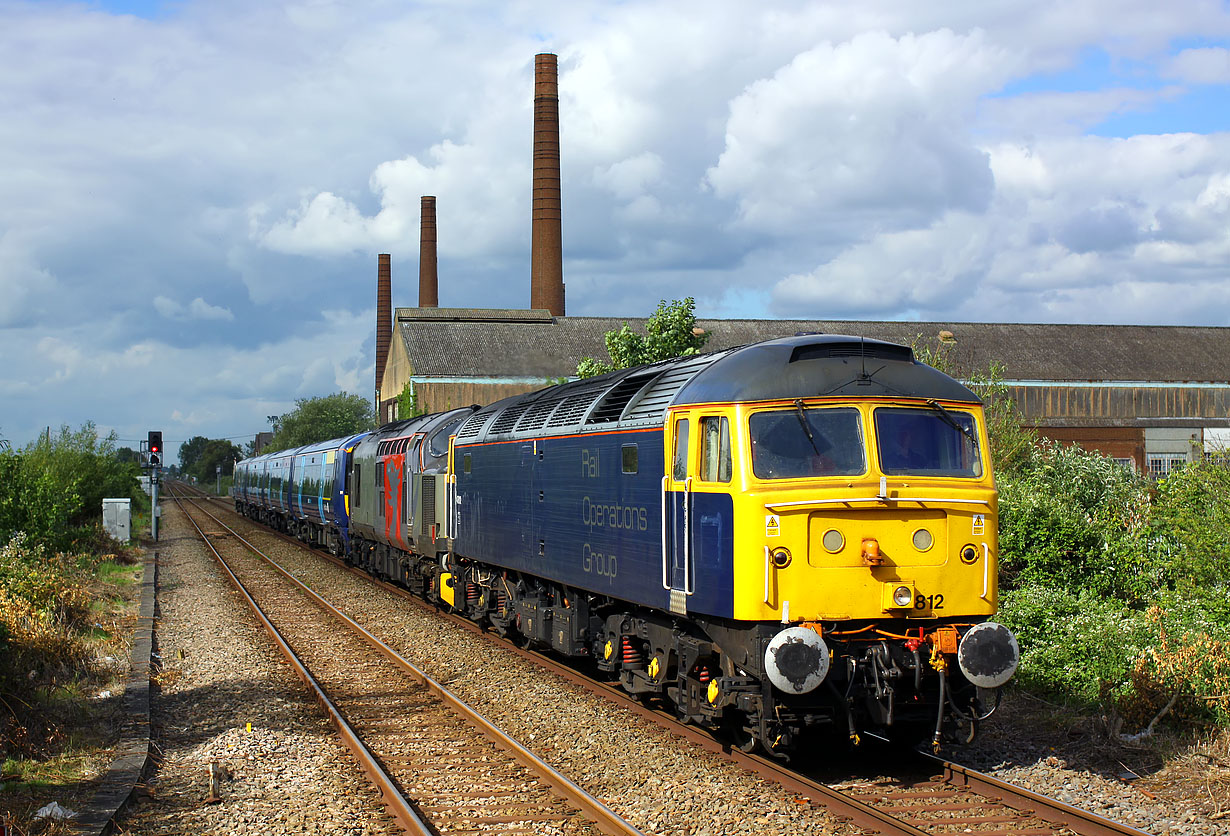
(952,421)
(798,405)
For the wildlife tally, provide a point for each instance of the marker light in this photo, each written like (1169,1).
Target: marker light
(832,540)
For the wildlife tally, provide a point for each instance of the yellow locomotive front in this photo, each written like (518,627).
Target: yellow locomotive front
(864,544)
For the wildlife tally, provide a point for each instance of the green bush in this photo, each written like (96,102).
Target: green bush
(53,489)
(1191,524)
(1072,518)
(1077,646)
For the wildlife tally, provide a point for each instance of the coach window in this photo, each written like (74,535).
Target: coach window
(465,463)
(629,457)
(680,470)
(358,483)
(714,449)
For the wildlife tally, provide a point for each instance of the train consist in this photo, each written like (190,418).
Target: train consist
(780,538)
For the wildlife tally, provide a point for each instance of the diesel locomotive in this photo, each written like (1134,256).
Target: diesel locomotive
(783,538)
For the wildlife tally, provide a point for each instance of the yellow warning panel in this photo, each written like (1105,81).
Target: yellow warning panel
(447,594)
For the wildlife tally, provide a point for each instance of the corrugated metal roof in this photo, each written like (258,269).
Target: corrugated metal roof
(456,344)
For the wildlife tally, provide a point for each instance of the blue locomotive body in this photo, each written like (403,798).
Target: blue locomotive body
(586,511)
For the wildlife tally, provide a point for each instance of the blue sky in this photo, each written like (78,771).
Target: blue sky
(196,191)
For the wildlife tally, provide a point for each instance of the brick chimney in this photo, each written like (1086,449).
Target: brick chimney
(429,279)
(546,236)
(384,320)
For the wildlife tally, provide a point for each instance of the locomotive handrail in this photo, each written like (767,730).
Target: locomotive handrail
(986,570)
(799,505)
(768,559)
(665,553)
(688,587)
(687,536)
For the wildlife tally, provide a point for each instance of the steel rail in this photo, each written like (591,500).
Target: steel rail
(1023,800)
(606,819)
(839,804)
(398,806)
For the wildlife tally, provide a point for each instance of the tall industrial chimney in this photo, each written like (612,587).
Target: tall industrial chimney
(429,280)
(384,320)
(546,236)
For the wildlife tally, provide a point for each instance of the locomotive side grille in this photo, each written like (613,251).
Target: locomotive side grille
(508,418)
(471,427)
(429,503)
(536,416)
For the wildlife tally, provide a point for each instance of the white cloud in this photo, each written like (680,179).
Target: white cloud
(201,186)
(197,309)
(1205,65)
(874,125)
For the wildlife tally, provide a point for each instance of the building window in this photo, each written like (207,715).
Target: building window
(1127,464)
(1163,464)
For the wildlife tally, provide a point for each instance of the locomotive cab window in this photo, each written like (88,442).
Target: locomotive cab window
(806,441)
(928,442)
(629,458)
(679,471)
(715,463)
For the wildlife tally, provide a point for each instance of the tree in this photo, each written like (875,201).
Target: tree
(408,403)
(670,332)
(321,418)
(216,452)
(126,455)
(190,451)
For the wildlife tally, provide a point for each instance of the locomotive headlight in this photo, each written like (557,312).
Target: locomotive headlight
(923,539)
(832,541)
(781,557)
(898,595)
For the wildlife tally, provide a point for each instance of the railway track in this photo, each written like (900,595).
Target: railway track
(440,767)
(928,795)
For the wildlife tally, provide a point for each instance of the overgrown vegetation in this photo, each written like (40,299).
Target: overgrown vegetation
(58,573)
(669,332)
(1117,587)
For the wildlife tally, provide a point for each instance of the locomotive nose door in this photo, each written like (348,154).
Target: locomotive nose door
(677,520)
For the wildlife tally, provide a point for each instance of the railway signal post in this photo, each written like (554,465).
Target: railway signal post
(154,450)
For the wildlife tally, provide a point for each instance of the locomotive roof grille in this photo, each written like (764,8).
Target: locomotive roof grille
(658,395)
(535,418)
(872,350)
(573,409)
(472,426)
(508,419)
(611,407)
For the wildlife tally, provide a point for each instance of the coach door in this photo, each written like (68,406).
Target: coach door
(677,519)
